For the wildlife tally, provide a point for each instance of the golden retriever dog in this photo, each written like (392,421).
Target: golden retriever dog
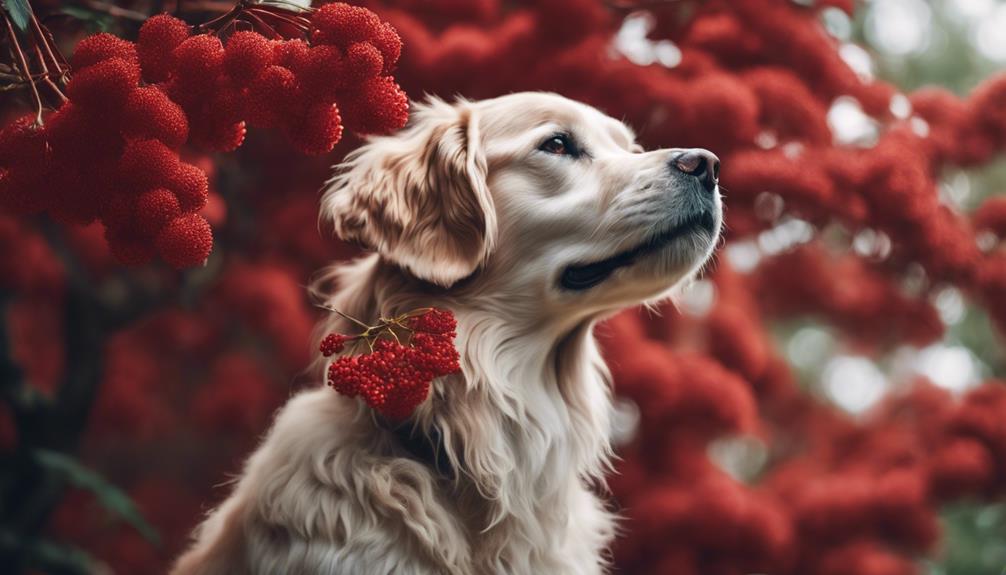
(531,217)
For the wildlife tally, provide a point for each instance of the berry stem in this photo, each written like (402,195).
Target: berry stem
(349,317)
(395,335)
(260,25)
(55,89)
(46,75)
(47,50)
(301,24)
(22,63)
(385,327)
(221,22)
(416,312)
(260,16)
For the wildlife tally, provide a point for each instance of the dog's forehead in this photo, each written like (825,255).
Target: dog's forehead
(518,113)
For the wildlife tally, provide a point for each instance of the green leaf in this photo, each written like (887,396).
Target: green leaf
(79,13)
(50,556)
(20,12)
(94,20)
(110,496)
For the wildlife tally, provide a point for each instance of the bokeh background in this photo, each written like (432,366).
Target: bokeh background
(827,399)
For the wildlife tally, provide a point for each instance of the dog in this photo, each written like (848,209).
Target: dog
(531,217)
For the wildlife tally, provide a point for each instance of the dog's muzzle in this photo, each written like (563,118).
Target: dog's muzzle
(586,276)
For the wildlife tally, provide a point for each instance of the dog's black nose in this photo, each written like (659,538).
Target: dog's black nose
(700,163)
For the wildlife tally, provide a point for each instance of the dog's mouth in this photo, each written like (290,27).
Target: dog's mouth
(580,277)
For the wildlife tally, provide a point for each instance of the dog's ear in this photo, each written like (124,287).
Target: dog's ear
(419,197)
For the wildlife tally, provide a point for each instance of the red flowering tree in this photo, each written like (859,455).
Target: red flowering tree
(131,388)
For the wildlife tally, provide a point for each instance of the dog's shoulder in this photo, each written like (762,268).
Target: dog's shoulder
(322,473)
(309,420)
(313,441)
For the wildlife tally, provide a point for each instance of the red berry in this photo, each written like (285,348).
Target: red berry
(186,241)
(101,47)
(23,144)
(199,60)
(159,36)
(318,131)
(271,97)
(216,135)
(377,106)
(322,71)
(216,124)
(151,115)
(154,209)
(363,61)
(103,86)
(83,135)
(147,164)
(390,45)
(290,53)
(247,54)
(190,185)
(341,24)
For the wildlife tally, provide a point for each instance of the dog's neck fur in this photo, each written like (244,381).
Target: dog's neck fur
(528,417)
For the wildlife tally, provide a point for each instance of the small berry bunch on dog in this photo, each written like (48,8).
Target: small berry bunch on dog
(403,355)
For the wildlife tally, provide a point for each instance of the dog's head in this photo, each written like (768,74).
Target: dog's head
(530,196)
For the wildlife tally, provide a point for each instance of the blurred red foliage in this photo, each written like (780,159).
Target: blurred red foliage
(191,381)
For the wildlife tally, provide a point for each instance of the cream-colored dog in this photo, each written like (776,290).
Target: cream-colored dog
(530,217)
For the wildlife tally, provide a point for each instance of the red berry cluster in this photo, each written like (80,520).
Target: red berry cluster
(394,377)
(111,153)
(288,84)
(191,69)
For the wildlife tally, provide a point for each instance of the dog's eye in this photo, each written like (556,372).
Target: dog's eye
(560,145)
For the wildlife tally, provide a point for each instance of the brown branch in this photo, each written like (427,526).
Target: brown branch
(22,62)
